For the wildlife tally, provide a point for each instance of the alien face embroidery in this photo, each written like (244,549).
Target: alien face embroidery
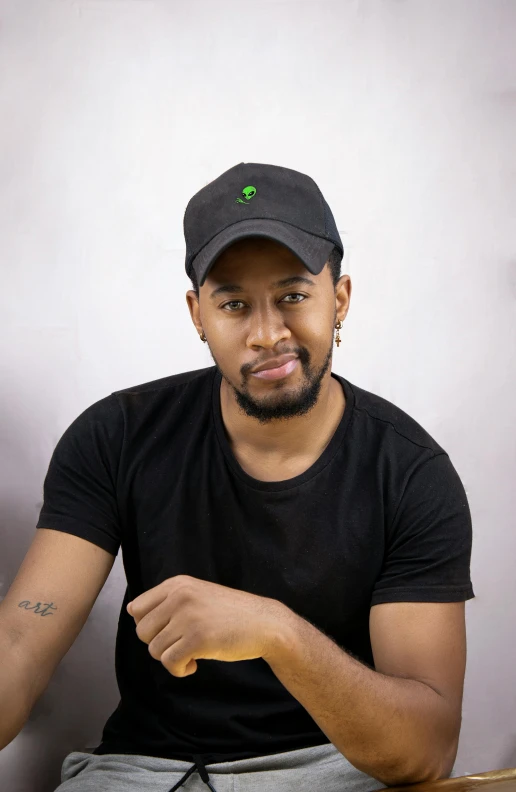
(247,193)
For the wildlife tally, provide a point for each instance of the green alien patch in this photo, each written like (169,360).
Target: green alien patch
(248,193)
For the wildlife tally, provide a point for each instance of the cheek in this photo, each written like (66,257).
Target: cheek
(313,328)
(225,341)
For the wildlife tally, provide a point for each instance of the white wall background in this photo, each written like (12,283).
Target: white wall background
(114,112)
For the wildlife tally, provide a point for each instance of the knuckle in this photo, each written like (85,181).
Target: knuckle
(172,663)
(154,651)
(184,589)
(181,580)
(140,631)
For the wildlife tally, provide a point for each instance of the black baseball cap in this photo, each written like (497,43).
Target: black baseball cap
(253,199)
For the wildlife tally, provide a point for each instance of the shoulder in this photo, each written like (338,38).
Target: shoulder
(197,378)
(381,421)
(105,419)
(166,404)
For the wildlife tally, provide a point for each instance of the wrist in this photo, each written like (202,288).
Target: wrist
(282,636)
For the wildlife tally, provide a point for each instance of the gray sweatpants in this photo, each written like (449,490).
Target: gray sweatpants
(321,767)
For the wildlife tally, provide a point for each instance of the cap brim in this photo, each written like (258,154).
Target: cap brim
(313,251)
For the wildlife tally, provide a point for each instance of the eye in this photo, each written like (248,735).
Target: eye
(292,294)
(295,294)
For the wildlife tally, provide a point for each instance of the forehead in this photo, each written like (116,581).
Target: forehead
(263,262)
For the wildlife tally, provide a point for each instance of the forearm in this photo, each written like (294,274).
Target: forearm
(16,691)
(396,730)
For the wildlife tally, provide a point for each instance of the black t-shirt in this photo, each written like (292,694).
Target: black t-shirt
(381,516)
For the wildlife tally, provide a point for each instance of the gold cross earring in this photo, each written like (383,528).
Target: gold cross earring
(337,337)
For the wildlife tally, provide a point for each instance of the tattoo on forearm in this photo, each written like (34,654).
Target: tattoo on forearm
(37,608)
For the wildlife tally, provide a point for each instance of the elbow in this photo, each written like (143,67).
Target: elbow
(403,776)
(447,762)
(397,773)
(432,768)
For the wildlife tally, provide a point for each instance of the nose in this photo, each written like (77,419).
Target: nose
(267,328)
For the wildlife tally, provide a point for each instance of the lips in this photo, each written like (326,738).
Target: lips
(278,372)
(274,363)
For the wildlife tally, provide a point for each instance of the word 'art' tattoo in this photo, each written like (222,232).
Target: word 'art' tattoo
(37,607)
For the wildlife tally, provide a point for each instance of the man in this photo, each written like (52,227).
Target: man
(297,549)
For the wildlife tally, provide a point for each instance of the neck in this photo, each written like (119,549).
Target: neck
(283,439)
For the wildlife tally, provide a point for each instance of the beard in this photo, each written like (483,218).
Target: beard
(281,402)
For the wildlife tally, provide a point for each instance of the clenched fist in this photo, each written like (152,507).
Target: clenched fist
(186,619)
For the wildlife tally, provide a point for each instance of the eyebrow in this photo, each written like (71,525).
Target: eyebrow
(235,288)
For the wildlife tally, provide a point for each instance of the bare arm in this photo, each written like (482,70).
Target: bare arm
(399,723)
(41,616)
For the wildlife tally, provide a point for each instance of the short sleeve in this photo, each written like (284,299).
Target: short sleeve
(79,491)
(428,546)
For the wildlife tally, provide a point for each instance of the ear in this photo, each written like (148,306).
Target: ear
(343,296)
(193,307)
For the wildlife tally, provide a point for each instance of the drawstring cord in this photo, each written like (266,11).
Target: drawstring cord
(201,769)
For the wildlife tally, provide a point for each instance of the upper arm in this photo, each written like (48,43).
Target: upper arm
(425,641)
(64,572)
(417,619)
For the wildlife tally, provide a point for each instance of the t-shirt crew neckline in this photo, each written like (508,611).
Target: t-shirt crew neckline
(320,463)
